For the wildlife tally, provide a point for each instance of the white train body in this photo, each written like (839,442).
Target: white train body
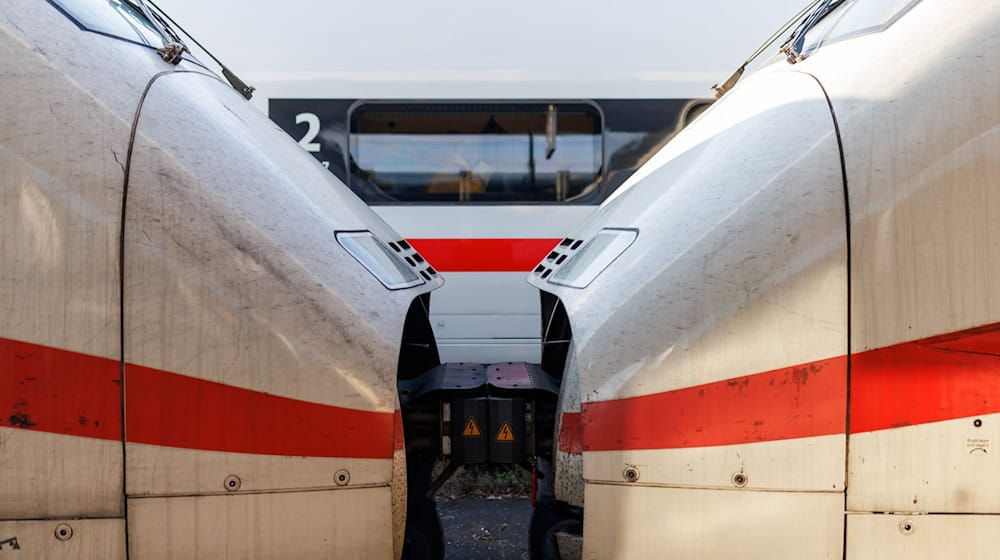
(460,209)
(636,65)
(191,364)
(791,351)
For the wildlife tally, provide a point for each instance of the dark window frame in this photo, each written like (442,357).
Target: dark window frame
(591,196)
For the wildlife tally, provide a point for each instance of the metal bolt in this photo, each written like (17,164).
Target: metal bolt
(907,527)
(232,483)
(63,532)
(740,479)
(631,474)
(342,477)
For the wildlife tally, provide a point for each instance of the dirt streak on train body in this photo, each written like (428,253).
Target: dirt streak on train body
(778,338)
(201,331)
(484,136)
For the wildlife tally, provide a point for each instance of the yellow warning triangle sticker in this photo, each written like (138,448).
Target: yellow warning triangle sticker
(471,428)
(505,433)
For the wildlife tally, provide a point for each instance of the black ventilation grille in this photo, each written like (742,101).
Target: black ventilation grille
(413,258)
(560,254)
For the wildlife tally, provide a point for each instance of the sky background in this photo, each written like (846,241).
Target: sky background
(634,47)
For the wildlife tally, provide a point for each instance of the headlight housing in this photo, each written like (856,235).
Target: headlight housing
(567,266)
(384,263)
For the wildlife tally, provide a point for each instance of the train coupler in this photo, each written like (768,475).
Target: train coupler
(484,414)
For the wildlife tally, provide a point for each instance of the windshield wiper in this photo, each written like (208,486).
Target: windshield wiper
(238,84)
(720,90)
(173,48)
(793,48)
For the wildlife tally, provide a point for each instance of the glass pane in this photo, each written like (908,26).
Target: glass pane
(581,269)
(477,152)
(855,17)
(379,260)
(114,17)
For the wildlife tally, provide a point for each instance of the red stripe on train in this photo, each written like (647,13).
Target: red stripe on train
(931,380)
(483,255)
(398,437)
(801,401)
(571,433)
(942,378)
(58,391)
(179,411)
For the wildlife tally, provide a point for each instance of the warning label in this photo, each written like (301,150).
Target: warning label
(505,433)
(471,428)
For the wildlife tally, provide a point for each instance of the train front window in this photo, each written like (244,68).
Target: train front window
(847,19)
(475,152)
(114,18)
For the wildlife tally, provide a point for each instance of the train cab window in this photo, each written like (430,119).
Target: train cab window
(851,18)
(475,152)
(115,18)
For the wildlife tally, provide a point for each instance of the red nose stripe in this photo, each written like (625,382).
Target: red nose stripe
(398,439)
(57,391)
(483,255)
(946,377)
(802,401)
(932,380)
(178,411)
(571,433)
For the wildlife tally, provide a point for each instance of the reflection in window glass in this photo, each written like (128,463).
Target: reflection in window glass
(112,17)
(597,255)
(850,19)
(385,265)
(855,17)
(469,152)
(633,131)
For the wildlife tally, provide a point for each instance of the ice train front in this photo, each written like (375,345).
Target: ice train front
(202,328)
(778,339)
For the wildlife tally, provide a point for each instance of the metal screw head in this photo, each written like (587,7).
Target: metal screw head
(977,422)
(63,532)
(740,479)
(342,478)
(232,483)
(630,474)
(907,527)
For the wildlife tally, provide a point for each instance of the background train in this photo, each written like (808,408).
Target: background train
(201,327)
(779,338)
(483,134)
(776,339)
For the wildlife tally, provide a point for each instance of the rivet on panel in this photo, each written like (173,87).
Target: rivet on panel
(977,422)
(232,483)
(630,474)
(342,477)
(907,527)
(63,532)
(740,479)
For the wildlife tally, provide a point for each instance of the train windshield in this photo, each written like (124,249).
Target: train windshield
(117,18)
(852,18)
(477,152)
(823,23)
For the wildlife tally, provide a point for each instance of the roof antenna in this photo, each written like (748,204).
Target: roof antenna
(239,85)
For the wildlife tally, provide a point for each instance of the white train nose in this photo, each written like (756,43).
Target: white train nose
(188,346)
